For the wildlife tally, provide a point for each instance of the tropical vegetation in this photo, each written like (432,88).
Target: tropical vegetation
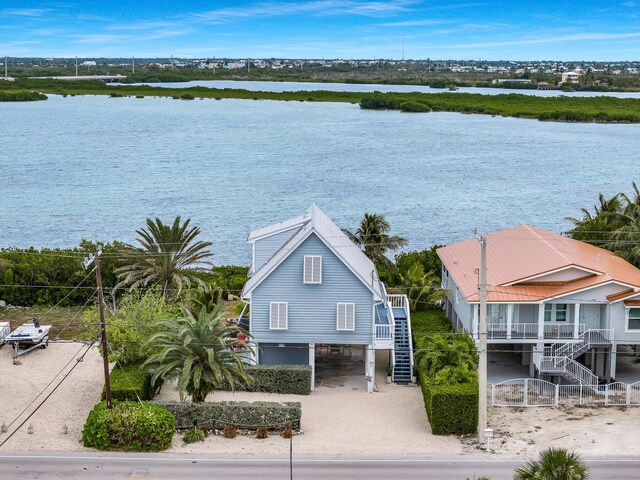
(554,464)
(614,224)
(166,252)
(373,236)
(201,352)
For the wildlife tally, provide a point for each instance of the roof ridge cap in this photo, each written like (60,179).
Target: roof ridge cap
(546,242)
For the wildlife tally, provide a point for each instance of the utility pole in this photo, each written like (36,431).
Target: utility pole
(482,335)
(6,73)
(76,65)
(103,326)
(133,65)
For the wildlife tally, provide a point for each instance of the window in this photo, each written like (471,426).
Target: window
(634,319)
(346,320)
(495,315)
(555,312)
(312,270)
(278,315)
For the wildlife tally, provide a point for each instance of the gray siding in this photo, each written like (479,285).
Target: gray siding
(268,246)
(290,354)
(312,308)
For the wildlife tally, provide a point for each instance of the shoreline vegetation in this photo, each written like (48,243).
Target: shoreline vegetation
(599,109)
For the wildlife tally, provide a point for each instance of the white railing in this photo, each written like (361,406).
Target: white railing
(384,332)
(546,362)
(504,331)
(396,301)
(533,392)
(588,338)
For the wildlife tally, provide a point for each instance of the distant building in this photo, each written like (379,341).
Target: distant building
(572,77)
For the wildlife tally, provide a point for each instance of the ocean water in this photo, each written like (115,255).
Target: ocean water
(96,167)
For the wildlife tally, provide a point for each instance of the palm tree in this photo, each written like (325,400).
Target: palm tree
(201,352)
(373,237)
(422,288)
(593,227)
(554,464)
(167,250)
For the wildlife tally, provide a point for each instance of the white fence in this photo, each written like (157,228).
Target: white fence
(533,392)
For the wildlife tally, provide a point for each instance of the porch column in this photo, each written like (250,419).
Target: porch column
(509,319)
(370,367)
(312,362)
(576,320)
(613,358)
(540,321)
(476,321)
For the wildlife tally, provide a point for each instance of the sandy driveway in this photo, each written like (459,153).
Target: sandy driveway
(335,421)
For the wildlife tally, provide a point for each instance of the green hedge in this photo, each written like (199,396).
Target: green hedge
(127,380)
(129,426)
(452,409)
(295,379)
(250,415)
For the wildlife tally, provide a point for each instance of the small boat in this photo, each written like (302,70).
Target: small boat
(29,336)
(5,328)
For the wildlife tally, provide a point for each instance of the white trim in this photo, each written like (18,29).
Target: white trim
(550,272)
(286,316)
(282,229)
(313,270)
(346,319)
(312,362)
(629,297)
(265,272)
(626,321)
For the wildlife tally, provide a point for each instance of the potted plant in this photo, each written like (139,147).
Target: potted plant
(389,373)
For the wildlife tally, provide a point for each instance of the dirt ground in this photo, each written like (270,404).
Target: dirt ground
(336,419)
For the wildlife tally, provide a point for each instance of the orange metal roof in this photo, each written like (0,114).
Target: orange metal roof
(522,252)
(632,303)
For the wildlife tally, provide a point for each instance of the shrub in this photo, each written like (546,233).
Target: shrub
(293,379)
(246,415)
(262,433)
(193,435)
(287,433)
(129,426)
(128,382)
(187,96)
(452,409)
(230,431)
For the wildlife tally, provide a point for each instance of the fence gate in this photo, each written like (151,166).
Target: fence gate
(524,392)
(616,394)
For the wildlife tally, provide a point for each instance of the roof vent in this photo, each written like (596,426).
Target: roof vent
(455,261)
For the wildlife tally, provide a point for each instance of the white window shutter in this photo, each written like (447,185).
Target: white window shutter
(308,269)
(278,315)
(312,269)
(345,320)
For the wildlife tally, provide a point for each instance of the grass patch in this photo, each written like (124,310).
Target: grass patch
(58,318)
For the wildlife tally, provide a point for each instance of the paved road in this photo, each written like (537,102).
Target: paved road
(110,466)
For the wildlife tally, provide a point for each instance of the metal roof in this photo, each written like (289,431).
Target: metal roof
(348,252)
(519,254)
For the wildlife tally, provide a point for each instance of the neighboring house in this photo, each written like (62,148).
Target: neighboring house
(311,286)
(572,77)
(565,304)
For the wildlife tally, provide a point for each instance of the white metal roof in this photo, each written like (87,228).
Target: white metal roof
(277,227)
(317,222)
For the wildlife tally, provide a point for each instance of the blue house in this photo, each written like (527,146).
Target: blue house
(312,289)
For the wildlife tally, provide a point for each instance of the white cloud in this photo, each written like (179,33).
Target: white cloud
(414,23)
(578,37)
(25,12)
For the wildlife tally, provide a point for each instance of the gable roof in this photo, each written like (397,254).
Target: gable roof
(519,255)
(316,222)
(278,227)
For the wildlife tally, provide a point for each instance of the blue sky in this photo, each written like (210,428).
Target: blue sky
(460,29)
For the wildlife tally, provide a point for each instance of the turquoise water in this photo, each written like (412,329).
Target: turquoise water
(96,167)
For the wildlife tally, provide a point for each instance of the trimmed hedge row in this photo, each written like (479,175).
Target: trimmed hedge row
(452,409)
(295,379)
(127,380)
(129,426)
(249,415)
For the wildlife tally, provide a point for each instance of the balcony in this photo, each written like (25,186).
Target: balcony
(529,331)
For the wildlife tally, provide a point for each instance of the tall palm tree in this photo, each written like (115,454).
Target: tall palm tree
(201,352)
(554,464)
(373,237)
(422,288)
(594,227)
(165,252)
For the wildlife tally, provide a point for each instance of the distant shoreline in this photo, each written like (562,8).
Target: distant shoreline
(599,109)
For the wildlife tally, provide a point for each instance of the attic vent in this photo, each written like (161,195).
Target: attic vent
(312,269)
